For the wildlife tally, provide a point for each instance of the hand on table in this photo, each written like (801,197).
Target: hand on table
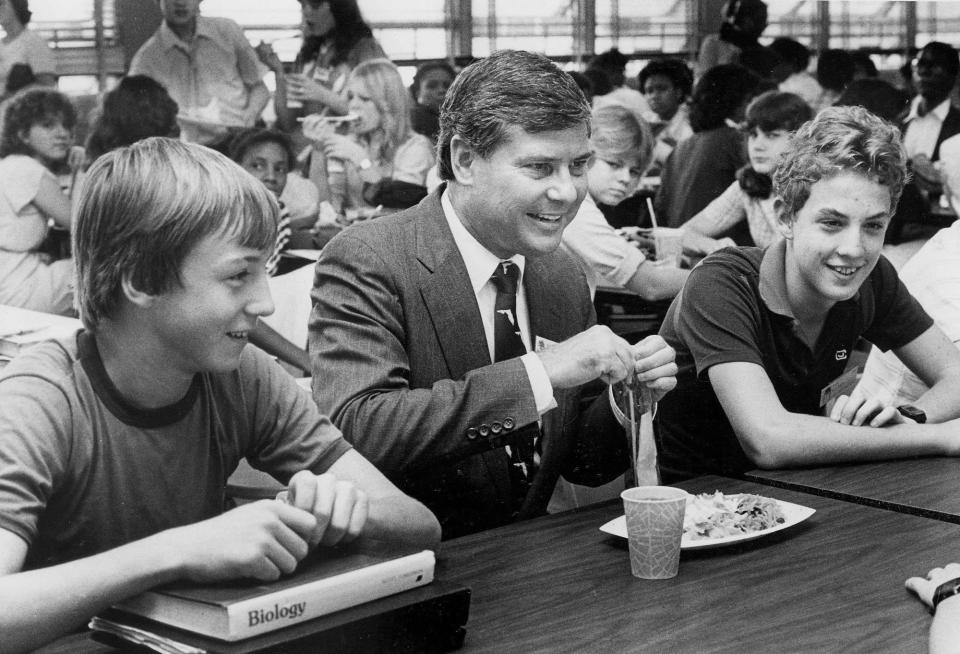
(925,587)
(339,506)
(261,540)
(856,410)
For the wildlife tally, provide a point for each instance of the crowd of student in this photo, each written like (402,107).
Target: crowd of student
(454,355)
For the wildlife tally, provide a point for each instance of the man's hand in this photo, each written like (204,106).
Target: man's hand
(856,410)
(599,353)
(261,540)
(656,365)
(339,507)
(925,587)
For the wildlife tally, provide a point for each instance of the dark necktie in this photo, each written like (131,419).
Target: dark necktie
(507,344)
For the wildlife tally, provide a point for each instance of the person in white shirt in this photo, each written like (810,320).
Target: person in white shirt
(932,118)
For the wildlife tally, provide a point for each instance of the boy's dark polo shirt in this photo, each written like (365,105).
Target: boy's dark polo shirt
(734,307)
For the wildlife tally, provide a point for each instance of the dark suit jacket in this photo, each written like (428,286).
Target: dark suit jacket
(950,127)
(400,363)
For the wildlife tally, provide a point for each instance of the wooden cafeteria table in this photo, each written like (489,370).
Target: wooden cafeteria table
(833,583)
(928,487)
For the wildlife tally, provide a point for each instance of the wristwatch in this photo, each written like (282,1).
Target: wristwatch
(366,164)
(946,590)
(912,412)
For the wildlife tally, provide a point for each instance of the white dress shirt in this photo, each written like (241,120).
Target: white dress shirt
(481,264)
(923,131)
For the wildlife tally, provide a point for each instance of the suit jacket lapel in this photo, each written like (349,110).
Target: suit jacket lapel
(447,293)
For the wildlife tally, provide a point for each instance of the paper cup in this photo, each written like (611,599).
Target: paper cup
(668,245)
(654,529)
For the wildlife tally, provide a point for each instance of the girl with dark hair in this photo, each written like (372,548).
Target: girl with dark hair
(429,87)
(335,40)
(23,46)
(138,108)
(771,120)
(36,137)
(703,165)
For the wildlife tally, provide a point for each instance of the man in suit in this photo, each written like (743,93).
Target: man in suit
(931,118)
(462,389)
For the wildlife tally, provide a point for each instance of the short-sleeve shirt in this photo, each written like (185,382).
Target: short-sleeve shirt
(733,307)
(218,63)
(28,48)
(83,471)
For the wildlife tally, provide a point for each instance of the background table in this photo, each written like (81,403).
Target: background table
(832,583)
(928,487)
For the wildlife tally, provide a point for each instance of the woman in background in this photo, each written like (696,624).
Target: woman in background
(137,108)
(335,39)
(21,45)
(771,120)
(36,138)
(702,166)
(429,87)
(381,157)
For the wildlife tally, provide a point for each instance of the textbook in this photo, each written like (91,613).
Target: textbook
(425,620)
(324,583)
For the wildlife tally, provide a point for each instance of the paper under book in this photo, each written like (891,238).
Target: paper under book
(322,584)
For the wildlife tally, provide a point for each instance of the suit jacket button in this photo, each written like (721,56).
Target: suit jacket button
(484,429)
(508,423)
(496,427)
(472,433)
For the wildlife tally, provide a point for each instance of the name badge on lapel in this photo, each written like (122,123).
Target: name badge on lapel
(842,385)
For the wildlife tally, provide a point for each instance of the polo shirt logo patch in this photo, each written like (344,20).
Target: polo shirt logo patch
(841,355)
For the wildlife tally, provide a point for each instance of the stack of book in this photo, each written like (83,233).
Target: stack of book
(336,601)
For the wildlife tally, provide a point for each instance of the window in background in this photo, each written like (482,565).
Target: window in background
(867,24)
(546,26)
(796,19)
(938,21)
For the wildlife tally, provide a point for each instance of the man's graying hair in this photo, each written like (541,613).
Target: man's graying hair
(508,88)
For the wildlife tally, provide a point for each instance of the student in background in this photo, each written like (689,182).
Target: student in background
(208,67)
(21,45)
(36,139)
(743,21)
(771,119)
(116,443)
(429,87)
(835,69)
(336,39)
(763,337)
(666,84)
(380,161)
(795,59)
(701,167)
(622,145)
(137,108)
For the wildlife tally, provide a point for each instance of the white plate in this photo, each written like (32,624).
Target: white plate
(792,513)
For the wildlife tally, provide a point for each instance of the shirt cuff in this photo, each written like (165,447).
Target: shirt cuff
(539,382)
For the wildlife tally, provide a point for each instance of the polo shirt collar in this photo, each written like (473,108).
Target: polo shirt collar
(170,40)
(773,279)
(480,262)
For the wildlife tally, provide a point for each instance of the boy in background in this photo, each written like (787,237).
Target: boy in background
(116,444)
